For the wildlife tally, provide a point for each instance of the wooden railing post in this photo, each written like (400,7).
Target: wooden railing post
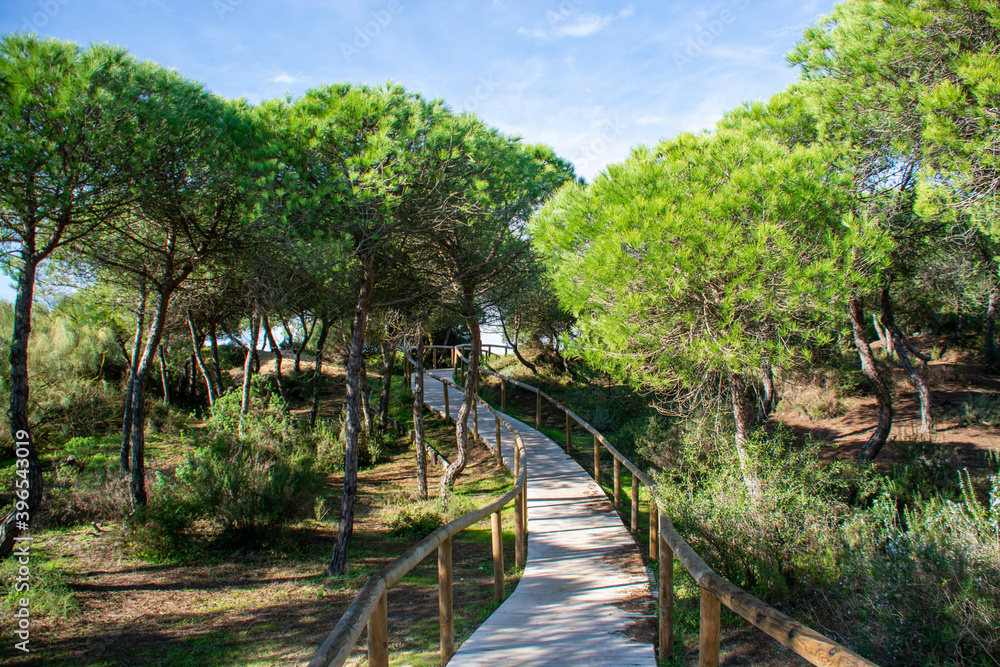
(519,551)
(618,485)
(597,461)
(498,453)
(708,639)
(569,435)
(475,418)
(635,506)
(497,527)
(666,600)
(446,616)
(378,635)
(654,521)
(503,396)
(434,357)
(538,411)
(447,408)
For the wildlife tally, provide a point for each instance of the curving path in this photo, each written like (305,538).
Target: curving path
(582,598)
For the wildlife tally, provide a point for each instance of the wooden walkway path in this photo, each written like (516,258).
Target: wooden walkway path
(584,598)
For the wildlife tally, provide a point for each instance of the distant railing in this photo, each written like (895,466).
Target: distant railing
(369,606)
(665,544)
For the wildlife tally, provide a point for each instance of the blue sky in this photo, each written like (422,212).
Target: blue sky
(590,78)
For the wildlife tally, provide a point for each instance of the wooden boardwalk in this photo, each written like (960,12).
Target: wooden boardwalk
(584,598)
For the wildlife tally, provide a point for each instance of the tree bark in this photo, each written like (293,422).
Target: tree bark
(137,484)
(877,439)
(418,418)
(989,347)
(213,337)
(163,376)
(899,345)
(140,324)
(456,467)
(886,345)
(513,344)
(388,366)
(767,399)
(18,520)
(742,417)
(278,377)
(248,367)
(317,371)
(197,340)
(353,426)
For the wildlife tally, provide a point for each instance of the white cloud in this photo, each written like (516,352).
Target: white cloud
(284,77)
(576,25)
(649,120)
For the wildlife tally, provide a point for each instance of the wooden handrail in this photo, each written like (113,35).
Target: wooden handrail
(344,636)
(806,642)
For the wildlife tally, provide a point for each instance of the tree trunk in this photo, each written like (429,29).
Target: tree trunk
(767,399)
(137,485)
(278,377)
(140,324)
(741,415)
(456,467)
(989,347)
(898,344)
(418,418)
(18,520)
(388,366)
(197,340)
(886,345)
(248,368)
(877,439)
(317,372)
(513,344)
(352,428)
(213,338)
(163,376)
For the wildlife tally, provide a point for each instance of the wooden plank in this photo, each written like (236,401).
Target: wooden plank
(666,608)
(635,507)
(498,452)
(446,615)
(520,557)
(569,435)
(654,541)
(618,485)
(708,635)
(378,635)
(497,531)
(447,407)
(597,460)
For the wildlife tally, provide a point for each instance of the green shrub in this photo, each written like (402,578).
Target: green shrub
(415,522)
(981,410)
(246,488)
(49,594)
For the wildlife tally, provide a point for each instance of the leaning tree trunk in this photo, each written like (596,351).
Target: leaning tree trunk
(877,439)
(163,376)
(418,418)
(197,340)
(513,345)
(388,349)
(744,422)
(989,347)
(248,368)
(137,484)
(456,467)
(140,318)
(352,428)
(895,336)
(317,372)
(213,338)
(26,500)
(768,399)
(278,376)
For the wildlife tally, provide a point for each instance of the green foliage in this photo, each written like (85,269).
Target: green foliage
(415,522)
(981,410)
(49,594)
(904,581)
